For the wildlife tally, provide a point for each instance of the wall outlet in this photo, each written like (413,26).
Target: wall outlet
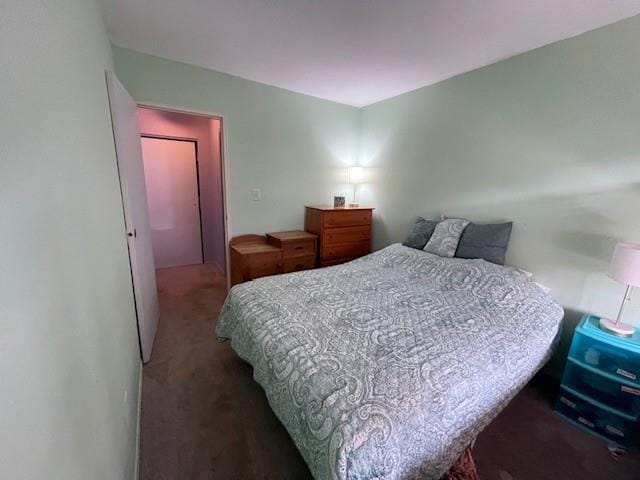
(256,194)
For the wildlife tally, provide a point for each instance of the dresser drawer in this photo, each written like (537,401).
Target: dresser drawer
(345,250)
(613,427)
(296,264)
(298,248)
(621,363)
(333,236)
(263,264)
(346,218)
(617,395)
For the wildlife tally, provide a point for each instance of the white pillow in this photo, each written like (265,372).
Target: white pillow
(446,236)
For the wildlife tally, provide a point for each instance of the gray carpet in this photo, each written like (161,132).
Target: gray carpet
(204,418)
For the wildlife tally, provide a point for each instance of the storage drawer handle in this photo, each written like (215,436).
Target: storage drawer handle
(586,422)
(625,373)
(299,266)
(632,391)
(568,402)
(300,247)
(614,431)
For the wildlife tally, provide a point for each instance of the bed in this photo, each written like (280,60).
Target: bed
(390,365)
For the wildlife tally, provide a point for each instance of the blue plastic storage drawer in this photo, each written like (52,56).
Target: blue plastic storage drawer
(617,395)
(621,363)
(598,420)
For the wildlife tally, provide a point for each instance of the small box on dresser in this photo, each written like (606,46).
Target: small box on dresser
(600,389)
(343,233)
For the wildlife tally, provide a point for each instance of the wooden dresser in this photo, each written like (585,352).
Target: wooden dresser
(344,233)
(255,256)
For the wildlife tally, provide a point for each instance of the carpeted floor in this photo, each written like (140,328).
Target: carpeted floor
(204,418)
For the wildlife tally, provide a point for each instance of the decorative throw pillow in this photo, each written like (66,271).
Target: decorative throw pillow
(446,235)
(420,233)
(488,242)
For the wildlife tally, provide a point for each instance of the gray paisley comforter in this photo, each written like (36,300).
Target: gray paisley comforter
(387,367)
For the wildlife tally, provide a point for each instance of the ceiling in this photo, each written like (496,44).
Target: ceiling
(355,52)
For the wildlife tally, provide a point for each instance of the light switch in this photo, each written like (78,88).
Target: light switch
(256,195)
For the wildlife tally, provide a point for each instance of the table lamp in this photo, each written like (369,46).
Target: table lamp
(356,176)
(625,268)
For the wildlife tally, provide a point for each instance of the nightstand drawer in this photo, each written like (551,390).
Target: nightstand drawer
(263,264)
(296,264)
(299,248)
(346,218)
(623,364)
(613,427)
(602,388)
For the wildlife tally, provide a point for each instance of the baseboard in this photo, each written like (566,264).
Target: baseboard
(218,267)
(136,470)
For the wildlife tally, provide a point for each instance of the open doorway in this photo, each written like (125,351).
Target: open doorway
(182,155)
(180,173)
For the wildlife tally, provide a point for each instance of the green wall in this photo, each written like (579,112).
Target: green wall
(293,147)
(549,139)
(68,339)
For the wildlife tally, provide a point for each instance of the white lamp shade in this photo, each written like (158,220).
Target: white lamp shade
(625,264)
(356,174)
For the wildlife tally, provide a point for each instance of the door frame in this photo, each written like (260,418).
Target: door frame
(224,167)
(195,146)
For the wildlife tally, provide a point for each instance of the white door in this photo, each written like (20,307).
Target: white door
(171,176)
(134,199)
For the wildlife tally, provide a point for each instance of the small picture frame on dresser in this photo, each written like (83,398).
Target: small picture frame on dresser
(339,201)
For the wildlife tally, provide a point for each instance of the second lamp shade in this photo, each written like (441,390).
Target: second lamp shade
(356,175)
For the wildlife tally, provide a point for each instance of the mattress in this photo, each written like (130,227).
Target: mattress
(390,365)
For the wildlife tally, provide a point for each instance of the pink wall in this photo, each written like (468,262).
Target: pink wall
(207,133)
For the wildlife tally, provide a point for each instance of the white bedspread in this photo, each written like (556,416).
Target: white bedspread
(387,367)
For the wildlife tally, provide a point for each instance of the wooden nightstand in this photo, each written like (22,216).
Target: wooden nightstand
(344,233)
(600,389)
(298,249)
(252,257)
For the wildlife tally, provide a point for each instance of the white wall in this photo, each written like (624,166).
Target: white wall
(68,341)
(548,139)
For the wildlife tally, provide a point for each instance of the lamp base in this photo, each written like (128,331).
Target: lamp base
(620,329)
(354,205)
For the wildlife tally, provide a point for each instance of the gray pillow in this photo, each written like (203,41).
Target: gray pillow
(488,242)
(444,240)
(420,233)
